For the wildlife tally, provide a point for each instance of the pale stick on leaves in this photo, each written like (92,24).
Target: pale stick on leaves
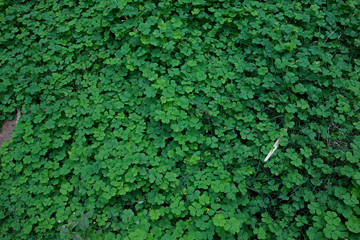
(276,145)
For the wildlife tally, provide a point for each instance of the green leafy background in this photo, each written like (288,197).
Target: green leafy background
(156,117)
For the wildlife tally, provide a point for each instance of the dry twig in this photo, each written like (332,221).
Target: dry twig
(276,145)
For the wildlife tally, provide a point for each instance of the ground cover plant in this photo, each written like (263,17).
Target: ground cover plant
(152,119)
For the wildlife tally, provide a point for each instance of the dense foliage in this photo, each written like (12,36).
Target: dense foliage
(151,119)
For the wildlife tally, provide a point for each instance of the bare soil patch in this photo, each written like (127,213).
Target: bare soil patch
(8,128)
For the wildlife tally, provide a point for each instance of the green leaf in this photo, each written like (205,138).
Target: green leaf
(89,214)
(83,222)
(219,220)
(191,63)
(232,225)
(262,70)
(154,214)
(353,224)
(76,236)
(176,34)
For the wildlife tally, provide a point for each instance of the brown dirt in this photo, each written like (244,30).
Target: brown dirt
(8,128)
(6,131)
